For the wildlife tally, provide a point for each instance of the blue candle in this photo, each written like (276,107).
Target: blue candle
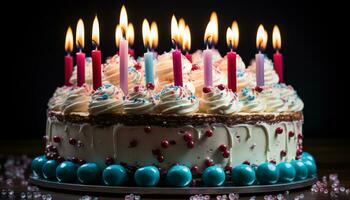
(149,69)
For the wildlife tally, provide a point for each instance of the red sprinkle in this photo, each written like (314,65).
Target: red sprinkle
(194,169)
(300,136)
(222,148)
(81,161)
(273,161)
(72,141)
(299,152)
(147,129)
(109,160)
(75,160)
(209,162)
(221,87)
(150,86)
(209,133)
(60,159)
(188,137)
(165,144)
(291,134)
(226,154)
(206,89)
(138,66)
(54,155)
(160,158)
(228,168)
(246,162)
(190,144)
(133,143)
(49,156)
(136,88)
(195,67)
(56,139)
(283,153)
(258,89)
(279,130)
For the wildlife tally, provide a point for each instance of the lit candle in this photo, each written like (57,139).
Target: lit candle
(232,38)
(187,43)
(150,41)
(210,38)
(130,35)
(80,56)
(123,52)
(277,57)
(68,59)
(177,63)
(261,40)
(96,56)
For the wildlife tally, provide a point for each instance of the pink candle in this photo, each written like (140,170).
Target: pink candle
(208,71)
(177,68)
(277,59)
(123,65)
(231,71)
(68,69)
(80,56)
(96,68)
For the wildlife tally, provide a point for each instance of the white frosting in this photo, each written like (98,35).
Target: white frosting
(197,78)
(58,98)
(141,101)
(77,100)
(107,99)
(290,97)
(273,100)
(251,101)
(271,77)
(219,101)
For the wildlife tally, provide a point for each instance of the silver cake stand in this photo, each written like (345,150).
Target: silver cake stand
(69,187)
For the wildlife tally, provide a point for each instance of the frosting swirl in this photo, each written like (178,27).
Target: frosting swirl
(220,100)
(177,100)
(251,101)
(107,99)
(58,98)
(290,97)
(141,100)
(77,100)
(273,100)
(88,72)
(271,77)
(111,72)
(197,78)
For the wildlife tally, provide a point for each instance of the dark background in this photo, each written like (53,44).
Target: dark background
(35,32)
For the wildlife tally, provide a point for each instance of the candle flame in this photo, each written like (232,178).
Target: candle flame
(261,38)
(80,34)
(146,35)
(118,35)
(123,20)
(232,35)
(211,31)
(174,30)
(181,28)
(95,32)
(187,39)
(68,46)
(130,35)
(276,38)
(154,35)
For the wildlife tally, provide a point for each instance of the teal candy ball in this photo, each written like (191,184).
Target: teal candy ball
(37,165)
(179,176)
(287,172)
(307,156)
(147,176)
(49,169)
(89,173)
(66,172)
(311,168)
(300,169)
(243,175)
(213,176)
(114,175)
(267,173)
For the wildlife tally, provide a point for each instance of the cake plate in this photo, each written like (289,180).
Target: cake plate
(69,187)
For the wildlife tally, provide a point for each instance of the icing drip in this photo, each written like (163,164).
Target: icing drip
(197,132)
(267,134)
(249,131)
(114,131)
(230,144)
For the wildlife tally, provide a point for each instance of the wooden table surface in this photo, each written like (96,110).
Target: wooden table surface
(332,156)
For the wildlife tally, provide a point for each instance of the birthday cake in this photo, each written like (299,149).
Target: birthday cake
(163,133)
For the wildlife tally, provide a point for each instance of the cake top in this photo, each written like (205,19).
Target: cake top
(163,97)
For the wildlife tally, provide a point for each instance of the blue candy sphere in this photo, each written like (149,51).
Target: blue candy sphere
(300,169)
(213,176)
(49,169)
(147,176)
(179,176)
(267,173)
(89,173)
(66,172)
(311,168)
(114,175)
(243,175)
(307,156)
(287,172)
(37,165)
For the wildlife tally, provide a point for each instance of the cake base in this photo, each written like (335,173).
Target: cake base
(69,187)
